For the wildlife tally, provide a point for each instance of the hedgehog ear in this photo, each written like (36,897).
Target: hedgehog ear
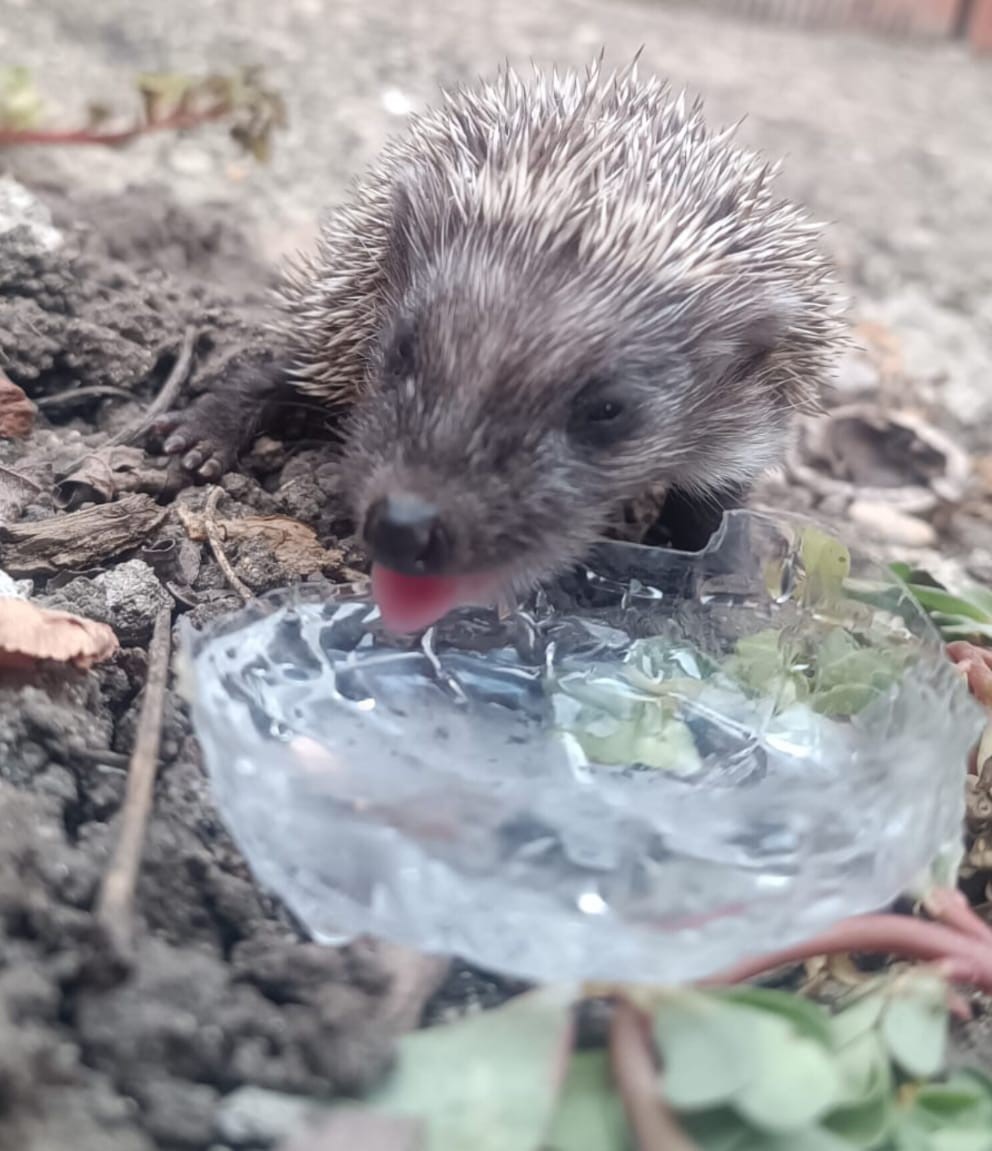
(761,327)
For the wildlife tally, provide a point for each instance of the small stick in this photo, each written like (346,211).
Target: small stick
(213,538)
(94,392)
(115,908)
(177,122)
(653,1125)
(166,396)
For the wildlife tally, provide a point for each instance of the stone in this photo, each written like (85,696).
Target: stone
(892,525)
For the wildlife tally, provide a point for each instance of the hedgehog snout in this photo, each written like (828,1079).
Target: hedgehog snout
(408,534)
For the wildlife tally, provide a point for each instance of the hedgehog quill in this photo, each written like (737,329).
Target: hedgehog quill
(548,297)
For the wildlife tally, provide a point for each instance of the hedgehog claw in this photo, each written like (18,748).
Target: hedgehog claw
(204,450)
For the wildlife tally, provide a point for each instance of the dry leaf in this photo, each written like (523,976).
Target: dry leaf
(16,411)
(293,544)
(16,492)
(102,475)
(30,635)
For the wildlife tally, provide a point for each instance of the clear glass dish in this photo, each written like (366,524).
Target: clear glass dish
(659,765)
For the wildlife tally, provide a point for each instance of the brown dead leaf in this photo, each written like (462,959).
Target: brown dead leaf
(102,475)
(78,540)
(16,411)
(294,545)
(30,635)
(16,492)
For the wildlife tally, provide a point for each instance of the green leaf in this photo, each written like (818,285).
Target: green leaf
(706,1050)
(718,1130)
(936,600)
(797,1081)
(857,1018)
(962,1101)
(20,103)
(760,1062)
(961,1140)
(915,1026)
(487,1081)
(844,700)
(808,1018)
(827,565)
(590,1115)
(810,1139)
(866,1115)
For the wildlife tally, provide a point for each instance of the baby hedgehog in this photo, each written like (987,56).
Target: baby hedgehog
(545,300)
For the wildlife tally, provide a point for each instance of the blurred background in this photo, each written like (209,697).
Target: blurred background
(882,112)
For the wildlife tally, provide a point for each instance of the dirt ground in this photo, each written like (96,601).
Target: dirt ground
(228,1015)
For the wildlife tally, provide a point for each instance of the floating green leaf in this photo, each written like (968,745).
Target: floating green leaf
(487,1081)
(827,564)
(590,1116)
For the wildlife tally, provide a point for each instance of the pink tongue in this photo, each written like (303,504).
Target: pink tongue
(410,603)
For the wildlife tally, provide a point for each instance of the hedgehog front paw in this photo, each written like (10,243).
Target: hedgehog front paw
(203,436)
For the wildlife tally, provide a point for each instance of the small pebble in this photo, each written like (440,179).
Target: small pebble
(253,1116)
(891,525)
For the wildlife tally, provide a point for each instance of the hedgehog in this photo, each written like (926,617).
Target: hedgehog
(546,298)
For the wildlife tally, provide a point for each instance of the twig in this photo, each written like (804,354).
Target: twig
(213,538)
(177,122)
(653,1125)
(56,399)
(166,396)
(115,908)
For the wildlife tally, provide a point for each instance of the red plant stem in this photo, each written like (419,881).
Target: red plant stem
(882,935)
(654,1127)
(177,122)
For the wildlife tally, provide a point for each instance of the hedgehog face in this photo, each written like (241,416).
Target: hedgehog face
(511,411)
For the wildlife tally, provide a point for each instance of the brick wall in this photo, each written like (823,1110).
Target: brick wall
(914,18)
(980,26)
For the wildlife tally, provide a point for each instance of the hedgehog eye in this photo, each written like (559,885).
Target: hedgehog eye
(604,411)
(599,418)
(401,355)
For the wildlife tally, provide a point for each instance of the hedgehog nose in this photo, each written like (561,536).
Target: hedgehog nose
(405,533)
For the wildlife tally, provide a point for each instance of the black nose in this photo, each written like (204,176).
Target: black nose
(405,533)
